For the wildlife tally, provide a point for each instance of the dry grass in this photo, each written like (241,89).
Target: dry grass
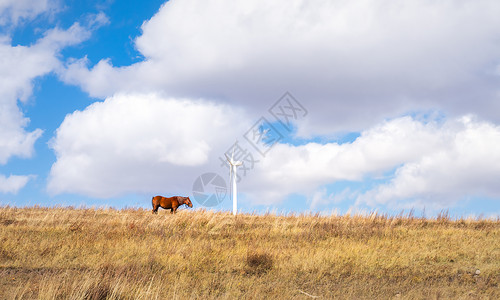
(65,253)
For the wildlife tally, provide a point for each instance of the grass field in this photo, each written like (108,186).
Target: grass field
(65,253)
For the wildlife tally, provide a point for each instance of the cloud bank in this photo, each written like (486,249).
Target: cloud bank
(149,143)
(465,165)
(356,66)
(352,63)
(437,164)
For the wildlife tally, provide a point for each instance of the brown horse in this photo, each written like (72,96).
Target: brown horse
(171,203)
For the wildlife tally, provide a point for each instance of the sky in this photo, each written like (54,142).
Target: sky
(332,106)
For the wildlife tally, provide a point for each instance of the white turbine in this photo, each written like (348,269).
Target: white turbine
(232,179)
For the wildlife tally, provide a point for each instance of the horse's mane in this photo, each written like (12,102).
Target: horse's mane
(181,198)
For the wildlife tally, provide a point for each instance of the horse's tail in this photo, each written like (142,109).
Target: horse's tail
(153,204)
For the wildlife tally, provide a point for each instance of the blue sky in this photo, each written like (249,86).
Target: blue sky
(395,106)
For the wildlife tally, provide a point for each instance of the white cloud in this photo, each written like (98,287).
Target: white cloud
(437,164)
(13,11)
(19,65)
(351,63)
(468,165)
(14,140)
(97,20)
(141,143)
(302,169)
(13,183)
(56,39)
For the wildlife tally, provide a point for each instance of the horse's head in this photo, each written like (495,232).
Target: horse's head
(187,201)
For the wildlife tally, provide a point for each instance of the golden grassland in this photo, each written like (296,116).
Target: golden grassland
(68,253)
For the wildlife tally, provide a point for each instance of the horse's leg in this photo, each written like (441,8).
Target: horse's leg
(174,209)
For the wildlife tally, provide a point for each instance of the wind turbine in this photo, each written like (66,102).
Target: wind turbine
(232,179)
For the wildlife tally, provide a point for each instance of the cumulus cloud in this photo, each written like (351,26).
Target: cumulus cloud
(140,143)
(437,163)
(351,63)
(302,169)
(466,166)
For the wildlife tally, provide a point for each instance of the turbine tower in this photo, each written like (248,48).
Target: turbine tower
(232,179)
